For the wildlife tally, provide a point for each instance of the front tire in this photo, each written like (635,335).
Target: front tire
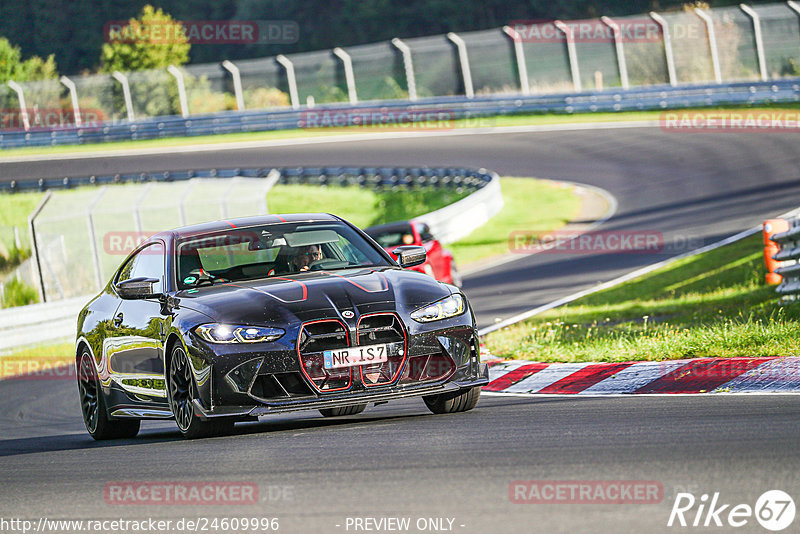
(453,402)
(93,405)
(344,410)
(181,393)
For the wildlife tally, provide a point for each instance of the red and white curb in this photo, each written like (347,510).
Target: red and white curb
(701,375)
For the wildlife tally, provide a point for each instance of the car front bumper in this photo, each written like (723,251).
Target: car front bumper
(349,398)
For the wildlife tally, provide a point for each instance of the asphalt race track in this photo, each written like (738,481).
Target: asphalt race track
(397,460)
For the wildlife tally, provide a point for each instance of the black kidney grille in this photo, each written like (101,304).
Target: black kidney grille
(381,328)
(313,340)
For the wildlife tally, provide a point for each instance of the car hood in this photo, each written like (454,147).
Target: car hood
(313,295)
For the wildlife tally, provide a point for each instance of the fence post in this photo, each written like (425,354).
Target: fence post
(270,181)
(37,262)
(126,92)
(408,65)
(237,83)
(463,60)
(667,39)
(572,53)
(23,109)
(182,201)
(621,63)
(712,42)
(287,64)
(137,215)
(348,73)
(172,69)
(73,93)
(519,54)
(98,267)
(759,38)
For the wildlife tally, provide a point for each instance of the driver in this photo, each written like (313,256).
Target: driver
(305,257)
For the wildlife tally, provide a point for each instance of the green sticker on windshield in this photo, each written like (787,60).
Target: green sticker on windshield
(190,280)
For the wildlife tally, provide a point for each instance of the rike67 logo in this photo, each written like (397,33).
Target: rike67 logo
(774,510)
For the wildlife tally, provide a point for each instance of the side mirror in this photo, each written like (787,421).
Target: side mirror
(409,256)
(137,288)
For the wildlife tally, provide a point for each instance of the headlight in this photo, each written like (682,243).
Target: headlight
(223,333)
(443,309)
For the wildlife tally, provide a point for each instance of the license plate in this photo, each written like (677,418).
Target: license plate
(352,356)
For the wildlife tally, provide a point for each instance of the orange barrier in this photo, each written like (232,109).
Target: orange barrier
(772,227)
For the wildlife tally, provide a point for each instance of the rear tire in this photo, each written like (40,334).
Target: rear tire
(453,402)
(181,392)
(344,410)
(93,405)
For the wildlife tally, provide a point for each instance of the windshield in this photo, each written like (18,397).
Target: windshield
(271,250)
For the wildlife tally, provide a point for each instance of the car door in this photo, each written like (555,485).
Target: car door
(134,353)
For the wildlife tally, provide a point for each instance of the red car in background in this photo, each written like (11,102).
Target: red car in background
(439,262)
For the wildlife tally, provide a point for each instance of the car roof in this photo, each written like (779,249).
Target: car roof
(396,226)
(242,222)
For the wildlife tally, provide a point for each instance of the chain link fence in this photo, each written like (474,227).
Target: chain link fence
(703,45)
(77,249)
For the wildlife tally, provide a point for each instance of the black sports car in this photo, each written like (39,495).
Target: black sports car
(226,321)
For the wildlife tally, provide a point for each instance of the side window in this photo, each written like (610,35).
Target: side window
(148,263)
(425,233)
(351,253)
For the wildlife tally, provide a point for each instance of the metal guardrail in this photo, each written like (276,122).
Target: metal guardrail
(374,177)
(459,219)
(35,323)
(443,109)
(789,243)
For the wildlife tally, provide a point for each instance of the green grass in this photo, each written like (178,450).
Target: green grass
(477,122)
(528,205)
(16,293)
(14,211)
(362,207)
(713,304)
